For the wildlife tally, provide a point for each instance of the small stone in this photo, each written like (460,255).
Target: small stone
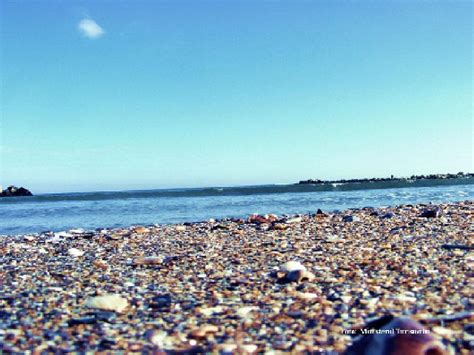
(104,316)
(63,235)
(350,218)
(280,226)
(346,299)
(405,298)
(156,337)
(307,296)
(161,301)
(244,312)
(249,348)
(83,320)
(211,310)
(180,228)
(148,260)
(100,264)
(203,331)
(141,230)
(75,252)
(293,220)
(296,276)
(434,213)
(114,303)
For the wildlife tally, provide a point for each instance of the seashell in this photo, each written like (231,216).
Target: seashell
(114,303)
(346,299)
(244,312)
(293,220)
(306,296)
(290,266)
(405,298)
(75,252)
(156,337)
(249,348)
(211,310)
(332,238)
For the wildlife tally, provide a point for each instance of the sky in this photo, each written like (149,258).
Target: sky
(113,95)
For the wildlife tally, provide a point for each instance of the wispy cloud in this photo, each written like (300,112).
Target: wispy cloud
(90,29)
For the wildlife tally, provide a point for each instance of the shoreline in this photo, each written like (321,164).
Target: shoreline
(411,179)
(215,286)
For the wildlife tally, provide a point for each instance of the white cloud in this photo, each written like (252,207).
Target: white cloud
(90,28)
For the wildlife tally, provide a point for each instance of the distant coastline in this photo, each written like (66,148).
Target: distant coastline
(412,178)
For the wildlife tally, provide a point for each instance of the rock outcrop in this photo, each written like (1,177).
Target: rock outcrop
(13,191)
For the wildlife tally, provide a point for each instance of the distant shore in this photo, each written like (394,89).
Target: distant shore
(412,178)
(226,286)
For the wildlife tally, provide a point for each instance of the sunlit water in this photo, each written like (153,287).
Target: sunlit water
(58,212)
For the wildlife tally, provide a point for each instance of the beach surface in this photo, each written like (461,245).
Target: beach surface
(226,286)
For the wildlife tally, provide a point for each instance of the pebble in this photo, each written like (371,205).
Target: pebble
(203,331)
(149,260)
(141,230)
(75,252)
(431,213)
(293,220)
(245,312)
(350,218)
(114,303)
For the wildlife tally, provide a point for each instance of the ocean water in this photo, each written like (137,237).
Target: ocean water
(90,210)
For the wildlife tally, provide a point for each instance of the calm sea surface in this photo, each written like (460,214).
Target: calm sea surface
(90,210)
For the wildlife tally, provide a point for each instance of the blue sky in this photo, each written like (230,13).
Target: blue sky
(105,95)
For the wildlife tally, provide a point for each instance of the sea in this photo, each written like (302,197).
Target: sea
(109,209)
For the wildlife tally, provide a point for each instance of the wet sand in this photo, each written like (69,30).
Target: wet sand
(219,286)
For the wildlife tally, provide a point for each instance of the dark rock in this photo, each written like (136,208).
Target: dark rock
(431,213)
(13,191)
(457,246)
(86,235)
(161,301)
(4,315)
(311,323)
(350,218)
(104,316)
(296,314)
(107,344)
(388,215)
(83,320)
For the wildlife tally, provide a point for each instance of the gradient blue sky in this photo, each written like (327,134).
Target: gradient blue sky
(177,94)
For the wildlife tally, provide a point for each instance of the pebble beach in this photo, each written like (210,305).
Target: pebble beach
(265,284)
